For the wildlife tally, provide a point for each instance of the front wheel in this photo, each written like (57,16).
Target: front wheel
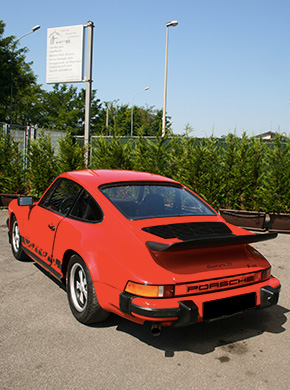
(81,294)
(16,245)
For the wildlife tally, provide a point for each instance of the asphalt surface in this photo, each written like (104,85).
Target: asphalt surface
(44,347)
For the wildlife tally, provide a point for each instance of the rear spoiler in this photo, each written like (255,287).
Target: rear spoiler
(230,239)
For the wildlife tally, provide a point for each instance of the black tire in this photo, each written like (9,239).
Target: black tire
(81,294)
(16,245)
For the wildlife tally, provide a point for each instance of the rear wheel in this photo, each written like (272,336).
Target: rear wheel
(16,245)
(81,293)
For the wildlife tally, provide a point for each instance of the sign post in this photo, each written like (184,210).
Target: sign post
(89,81)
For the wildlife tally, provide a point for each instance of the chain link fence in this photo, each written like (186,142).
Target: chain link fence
(25,134)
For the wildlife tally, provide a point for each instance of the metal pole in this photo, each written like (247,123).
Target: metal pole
(173,23)
(132,108)
(90,26)
(107,120)
(165,86)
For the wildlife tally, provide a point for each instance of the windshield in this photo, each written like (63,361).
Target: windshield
(140,201)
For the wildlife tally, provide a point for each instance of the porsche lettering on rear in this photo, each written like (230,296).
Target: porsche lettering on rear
(222,284)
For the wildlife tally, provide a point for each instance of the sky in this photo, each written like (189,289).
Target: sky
(228,60)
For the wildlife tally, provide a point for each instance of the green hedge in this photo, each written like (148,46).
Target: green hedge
(233,173)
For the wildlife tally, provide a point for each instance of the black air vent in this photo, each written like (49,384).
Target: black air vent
(187,231)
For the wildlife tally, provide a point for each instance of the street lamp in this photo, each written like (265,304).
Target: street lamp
(173,23)
(145,89)
(35,28)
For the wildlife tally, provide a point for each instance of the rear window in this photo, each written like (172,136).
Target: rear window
(86,209)
(140,201)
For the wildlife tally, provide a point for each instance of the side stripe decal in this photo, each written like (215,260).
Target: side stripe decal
(40,256)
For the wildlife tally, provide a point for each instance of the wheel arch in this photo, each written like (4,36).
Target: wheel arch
(11,216)
(66,257)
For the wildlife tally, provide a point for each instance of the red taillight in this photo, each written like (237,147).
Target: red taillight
(168,291)
(265,274)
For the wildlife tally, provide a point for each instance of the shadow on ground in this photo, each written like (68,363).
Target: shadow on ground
(204,338)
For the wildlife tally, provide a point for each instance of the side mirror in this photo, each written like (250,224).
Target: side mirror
(25,201)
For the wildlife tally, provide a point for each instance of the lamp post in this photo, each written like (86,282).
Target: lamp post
(132,109)
(35,28)
(173,23)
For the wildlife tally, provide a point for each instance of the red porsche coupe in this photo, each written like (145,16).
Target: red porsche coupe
(142,246)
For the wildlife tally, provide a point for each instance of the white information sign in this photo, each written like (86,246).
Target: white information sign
(64,59)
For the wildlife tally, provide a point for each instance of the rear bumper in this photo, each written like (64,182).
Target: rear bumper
(269,296)
(187,312)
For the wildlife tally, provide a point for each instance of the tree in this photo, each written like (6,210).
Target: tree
(42,164)
(12,172)
(147,121)
(63,108)
(277,184)
(70,155)
(17,76)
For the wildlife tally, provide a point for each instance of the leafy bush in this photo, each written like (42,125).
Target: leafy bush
(242,172)
(12,172)
(70,156)
(42,164)
(153,157)
(238,173)
(277,177)
(114,154)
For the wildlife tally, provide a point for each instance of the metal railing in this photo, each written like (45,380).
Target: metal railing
(25,134)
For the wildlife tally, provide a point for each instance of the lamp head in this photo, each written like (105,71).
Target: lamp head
(173,23)
(35,28)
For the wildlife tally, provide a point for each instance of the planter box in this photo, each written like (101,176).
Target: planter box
(5,199)
(255,220)
(252,220)
(280,222)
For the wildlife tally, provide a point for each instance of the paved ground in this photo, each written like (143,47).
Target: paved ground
(44,347)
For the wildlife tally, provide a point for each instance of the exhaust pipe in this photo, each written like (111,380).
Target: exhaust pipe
(156,329)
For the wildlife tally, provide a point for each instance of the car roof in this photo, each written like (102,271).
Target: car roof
(98,177)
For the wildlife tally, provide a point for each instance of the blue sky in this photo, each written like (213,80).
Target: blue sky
(228,60)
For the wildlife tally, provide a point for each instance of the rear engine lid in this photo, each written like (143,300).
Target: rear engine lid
(200,234)
(205,250)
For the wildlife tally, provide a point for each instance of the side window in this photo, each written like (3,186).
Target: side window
(61,196)
(86,209)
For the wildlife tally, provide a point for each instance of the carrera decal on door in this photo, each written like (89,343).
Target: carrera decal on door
(42,257)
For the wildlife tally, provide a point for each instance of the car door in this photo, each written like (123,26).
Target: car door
(44,220)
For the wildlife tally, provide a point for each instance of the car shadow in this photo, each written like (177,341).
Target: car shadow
(202,338)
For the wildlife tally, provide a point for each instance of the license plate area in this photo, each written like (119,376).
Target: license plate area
(228,306)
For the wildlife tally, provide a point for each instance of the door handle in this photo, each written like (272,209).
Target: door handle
(51,227)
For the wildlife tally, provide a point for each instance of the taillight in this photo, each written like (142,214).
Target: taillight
(265,274)
(149,290)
